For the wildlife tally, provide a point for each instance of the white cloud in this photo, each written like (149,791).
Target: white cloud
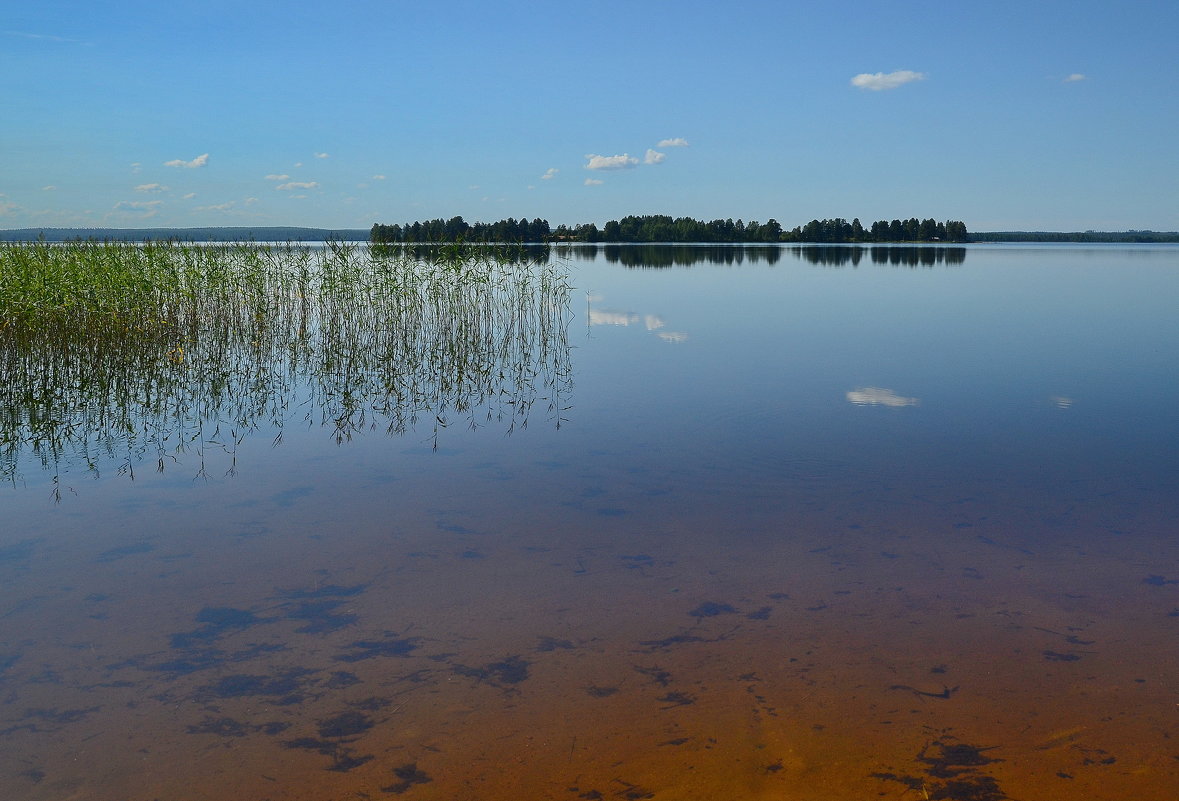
(189,196)
(321,155)
(674,337)
(136,167)
(878,80)
(298,164)
(287,187)
(50,188)
(151,188)
(1076,76)
(678,141)
(44,37)
(623,162)
(378,178)
(251,200)
(654,157)
(549,174)
(875,396)
(222,207)
(145,208)
(199,161)
(277,177)
(6,207)
(593,182)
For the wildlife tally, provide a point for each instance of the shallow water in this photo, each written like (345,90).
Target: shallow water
(803,524)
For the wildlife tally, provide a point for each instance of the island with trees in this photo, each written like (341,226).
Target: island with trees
(662,228)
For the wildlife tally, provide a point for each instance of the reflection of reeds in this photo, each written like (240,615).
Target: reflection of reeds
(121,352)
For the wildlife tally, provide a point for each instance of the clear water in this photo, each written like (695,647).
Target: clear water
(799,523)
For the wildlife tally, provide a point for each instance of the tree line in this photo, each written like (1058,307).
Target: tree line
(456,229)
(663,228)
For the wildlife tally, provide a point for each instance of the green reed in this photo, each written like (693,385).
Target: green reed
(123,353)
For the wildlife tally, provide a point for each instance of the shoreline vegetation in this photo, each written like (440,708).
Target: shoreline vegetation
(118,353)
(647,229)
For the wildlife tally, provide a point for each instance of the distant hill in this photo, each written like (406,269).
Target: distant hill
(259,233)
(1075,236)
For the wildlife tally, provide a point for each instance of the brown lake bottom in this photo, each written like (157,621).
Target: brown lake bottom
(808,644)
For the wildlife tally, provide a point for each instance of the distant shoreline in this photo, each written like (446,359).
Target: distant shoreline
(299,234)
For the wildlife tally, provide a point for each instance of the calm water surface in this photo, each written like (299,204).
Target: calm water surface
(818,523)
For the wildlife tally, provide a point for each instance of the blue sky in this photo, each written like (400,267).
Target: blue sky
(1006,115)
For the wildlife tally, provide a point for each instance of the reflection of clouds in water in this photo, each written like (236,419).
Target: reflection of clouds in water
(612,318)
(1061,402)
(652,322)
(875,396)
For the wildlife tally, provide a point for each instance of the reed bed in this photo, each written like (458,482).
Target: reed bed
(120,353)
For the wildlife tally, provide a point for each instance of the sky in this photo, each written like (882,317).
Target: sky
(1047,115)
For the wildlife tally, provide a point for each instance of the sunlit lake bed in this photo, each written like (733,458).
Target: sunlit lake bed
(783,523)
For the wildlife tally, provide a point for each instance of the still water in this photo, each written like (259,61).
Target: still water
(797,523)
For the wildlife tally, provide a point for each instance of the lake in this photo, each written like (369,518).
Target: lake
(701,522)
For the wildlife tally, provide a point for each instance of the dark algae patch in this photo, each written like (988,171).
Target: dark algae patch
(407,777)
(952,771)
(320,617)
(343,758)
(285,687)
(595,691)
(346,724)
(391,645)
(712,609)
(217,621)
(512,670)
(114,554)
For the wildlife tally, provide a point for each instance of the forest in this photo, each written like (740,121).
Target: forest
(663,228)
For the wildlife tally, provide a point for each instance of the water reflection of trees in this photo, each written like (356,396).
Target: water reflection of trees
(895,255)
(656,256)
(663,256)
(336,338)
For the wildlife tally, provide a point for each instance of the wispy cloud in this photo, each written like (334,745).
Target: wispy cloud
(145,208)
(623,162)
(678,141)
(1076,76)
(322,155)
(549,174)
(7,207)
(378,177)
(278,177)
(287,187)
(877,81)
(593,182)
(221,207)
(199,161)
(43,37)
(654,157)
(136,167)
(151,188)
(50,188)
(189,196)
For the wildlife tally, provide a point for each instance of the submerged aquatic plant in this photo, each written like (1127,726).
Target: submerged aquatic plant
(123,352)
